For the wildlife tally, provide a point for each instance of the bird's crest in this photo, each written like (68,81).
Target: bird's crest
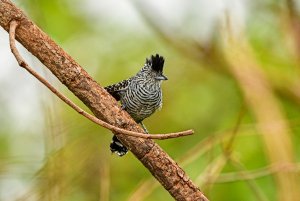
(156,62)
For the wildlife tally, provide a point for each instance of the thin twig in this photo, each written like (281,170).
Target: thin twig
(243,175)
(254,187)
(22,63)
(228,149)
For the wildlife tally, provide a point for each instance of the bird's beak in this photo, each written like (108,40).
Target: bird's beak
(161,77)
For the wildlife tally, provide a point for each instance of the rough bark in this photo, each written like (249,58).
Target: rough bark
(71,74)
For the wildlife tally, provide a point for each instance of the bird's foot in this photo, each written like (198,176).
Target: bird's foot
(144,127)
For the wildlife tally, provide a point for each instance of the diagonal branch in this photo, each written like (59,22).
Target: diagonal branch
(105,107)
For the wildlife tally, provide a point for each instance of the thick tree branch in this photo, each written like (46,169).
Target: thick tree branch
(71,74)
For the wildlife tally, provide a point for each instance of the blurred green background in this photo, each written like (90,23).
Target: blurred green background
(233,69)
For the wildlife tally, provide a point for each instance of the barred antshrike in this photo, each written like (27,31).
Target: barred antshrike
(140,95)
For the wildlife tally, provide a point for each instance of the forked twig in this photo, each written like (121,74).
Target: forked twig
(13,25)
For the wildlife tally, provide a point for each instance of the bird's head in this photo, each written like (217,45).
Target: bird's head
(155,68)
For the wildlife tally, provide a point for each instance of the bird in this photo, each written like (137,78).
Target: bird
(140,95)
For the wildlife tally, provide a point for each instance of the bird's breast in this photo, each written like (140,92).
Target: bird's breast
(140,102)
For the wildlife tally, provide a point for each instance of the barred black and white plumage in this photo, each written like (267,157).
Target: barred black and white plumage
(140,95)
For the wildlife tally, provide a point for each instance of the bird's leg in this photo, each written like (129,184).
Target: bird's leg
(144,127)
(123,106)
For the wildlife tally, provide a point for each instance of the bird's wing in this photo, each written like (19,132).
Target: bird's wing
(115,89)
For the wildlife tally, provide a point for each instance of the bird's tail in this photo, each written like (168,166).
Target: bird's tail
(117,147)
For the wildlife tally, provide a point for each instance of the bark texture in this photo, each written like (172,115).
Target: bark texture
(71,74)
